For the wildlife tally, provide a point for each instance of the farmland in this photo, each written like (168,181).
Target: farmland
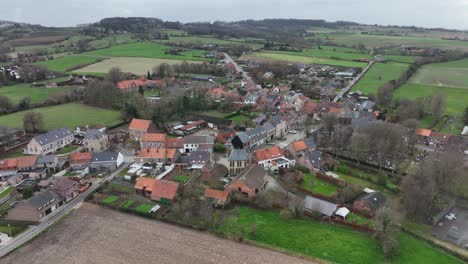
(66,115)
(67,63)
(322,240)
(266,57)
(457,98)
(209,40)
(329,52)
(378,75)
(37,94)
(449,74)
(128,64)
(147,50)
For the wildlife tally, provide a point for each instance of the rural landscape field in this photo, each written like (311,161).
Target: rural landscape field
(246,139)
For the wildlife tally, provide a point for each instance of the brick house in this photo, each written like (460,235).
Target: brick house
(369,202)
(251,181)
(157,155)
(66,188)
(80,160)
(153,140)
(158,190)
(36,207)
(138,128)
(95,141)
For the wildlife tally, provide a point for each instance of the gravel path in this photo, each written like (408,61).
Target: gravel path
(94,234)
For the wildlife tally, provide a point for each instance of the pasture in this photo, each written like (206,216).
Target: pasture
(457,98)
(378,75)
(448,74)
(134,65)
(329,52)
(147,50)
(322,240)
(37,94)
(66,115)
(68,63)
(209,40)
(268,57)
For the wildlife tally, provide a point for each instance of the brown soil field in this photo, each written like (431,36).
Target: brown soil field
(94,234)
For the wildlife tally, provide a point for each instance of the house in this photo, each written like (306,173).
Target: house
(190,127)
(238,159)
(105,161)
(251,99)
(158,156)
(198,159)
(176,143)
(311,159)
(213,174)
(80,160)
(272,158)
(128,86)
(153,140)
(369,202)
(250,138)
(138,128)
(260,120)
(47,161)
(25,163)
(270,129)
(65,187)
(95,141)
(36,207)
(252,180)
(316,205)
(164,191)
(280,126)
(367,106)
(10,137)
(50,142)
(299,147)
(217,197)
(198,143)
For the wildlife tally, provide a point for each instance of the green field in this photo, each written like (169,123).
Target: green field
(457,98)
(181,178)
(268,56)
(399,58)
(134,65)
(110,199)
(67,63)
(325,241)
(144,208)
(37,94)
(329,52)
(209,40)
(378,75)
(318,186)
(449,74)
(66,115)
(147,50)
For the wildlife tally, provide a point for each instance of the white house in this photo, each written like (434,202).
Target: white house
(272,158)
(50,142)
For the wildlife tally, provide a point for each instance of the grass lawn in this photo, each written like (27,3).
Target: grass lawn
(213,113)
(144,208)
(6,192)
(121,188)
(325,241)
(307,59)
(110,199)
(399,58)
(37,94)
(319,186)
(147,50)
(240,119)
(358,219)
(128,203)
(67,63)
(328,52)
(378,75)
(135,65)
(181,178)
(14,230)
(446,74)
(66,115)
(360,182)
(457,98)
(67,149)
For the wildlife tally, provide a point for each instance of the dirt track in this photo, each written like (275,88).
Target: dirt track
(94,234)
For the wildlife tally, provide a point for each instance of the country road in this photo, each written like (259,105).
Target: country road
(245,75)
(53,217)
(352,83)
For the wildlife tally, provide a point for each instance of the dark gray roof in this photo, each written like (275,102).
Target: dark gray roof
(310,142)
(374,199)
(368,105)
(8,130)
(63,183)
(198,156)
(253,176)
(239,155)
(42,198)
(46,159)
(94,134)
(52,136)
(268,126)
(276,120)
(314,156)
(252,133)
(199,140)
(260,118)
(313,204)
(105,156)
(362,119)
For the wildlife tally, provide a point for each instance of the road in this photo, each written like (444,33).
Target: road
(245,75)
(352,83)
(53,217)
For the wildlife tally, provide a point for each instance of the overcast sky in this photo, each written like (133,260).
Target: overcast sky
(425,13)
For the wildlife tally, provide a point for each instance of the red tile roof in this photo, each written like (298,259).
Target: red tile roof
(175,142)
(299,145)
(157,153)
(165,189)
(268,153)
(140,124)
(217,194)
(423,132)
(154,137)
(145,183)
(81,157)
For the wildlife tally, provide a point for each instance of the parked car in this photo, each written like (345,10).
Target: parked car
(293,132)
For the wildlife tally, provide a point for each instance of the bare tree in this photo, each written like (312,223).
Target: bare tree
(115,75)
(438,104)
(102,94)
(387,224)
(33,122)
(411,126)
(360,145)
